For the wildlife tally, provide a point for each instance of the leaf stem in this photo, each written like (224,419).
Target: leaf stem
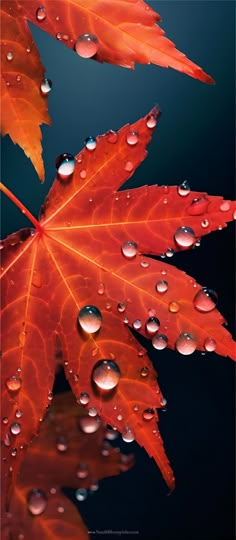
(21,206)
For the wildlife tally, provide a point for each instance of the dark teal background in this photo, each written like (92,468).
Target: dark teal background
(194,141)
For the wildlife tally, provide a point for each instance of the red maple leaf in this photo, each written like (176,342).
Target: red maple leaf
(79,279)
(120,32)
(69,451)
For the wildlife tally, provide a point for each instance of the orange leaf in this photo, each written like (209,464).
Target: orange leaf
(87,251)
(62,455)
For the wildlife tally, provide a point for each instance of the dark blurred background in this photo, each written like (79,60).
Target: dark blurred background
(195,142)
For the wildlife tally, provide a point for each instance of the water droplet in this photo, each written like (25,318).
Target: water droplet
(148,414)
(129,249)
(144,264)
(163,402)
(7,439)
(53,491)
(81,494)
(198,206)
(15,428)
(234,214)
(90,143)
(92,411)
(119,417)
(41,14)
(205,223)
(28,49)
(10,56)
(174,307)
(101,288)
(126,320)
(170,252)
(60,509)
(84,398)
(13,383)
(5,420)
(162,286)
(86,45)
(152,325)
(106,374)
(65,165)
(94,486)
(82,471)
(210,344)
(112,136)
(184,236)
(129,166)
(50,396)
(13,452)
(183,189)
(46,87)
(186,343)
(144,371)
(132,138)
(159,342)
(89,424)
(90,319)
(121,307)
(137,324)
(59,36)
(18,413)
(61,444)
(127,434)
(205,300)
(151,121)
(225,206)
(83,174)
(18,78)
(37,502)
(136,408)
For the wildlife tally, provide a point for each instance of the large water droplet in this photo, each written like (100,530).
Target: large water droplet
(205,300)
(65,165)
(62,445)
(152,325)
(184,236)
(15,428)
(148,414)
(41,14)
(86,45)
(129,249)
(89,424)
(13,383)
(183,189)
(186,343)
(46,87)
(137,324)
(159,342)
(106,374)
(84,398)
(37,502)
(90,319)
(82,471)
(132,138)
(162,286)
(127,434)
(90,143)
(198,206)
(210,344)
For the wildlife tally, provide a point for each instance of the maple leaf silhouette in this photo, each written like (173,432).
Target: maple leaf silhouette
(120,32)
(77,281)
(71,452)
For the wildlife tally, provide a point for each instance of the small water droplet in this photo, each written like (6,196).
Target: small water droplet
(50,396)
(53,491)
(121,307)
(127,434)
(83,174)
(129,249)
(205,300)
(225,206)
(210,344)
(46,87)
(15,428)
(106,374)
(174,307)
(90,319)
(126,320)
(148,414)
(137,324)
(13,383)
(7,439)
(13,452)
(162,286)
(28,49)
(205,223)
(119,417)
(151,121)
(170,252)
(37,502)
(144,371)
(60,509)
(234,214)
(159,342)
(136,407)
(152,325)
(198,206)
(90,143)
(82,471)
(61,444)
(101,288)
(186,343)
(86,45)
(10,56)
(132,138)
(84,398)
(81,494)
(5,420)
(163,402)
(144,264)
(184,236)
(129,166)
(183,189)
(94,486)
(18,413)
(89,424)
(112,136)
(65,165)
(59,36)
(92,411)
(41,14)
(18,78)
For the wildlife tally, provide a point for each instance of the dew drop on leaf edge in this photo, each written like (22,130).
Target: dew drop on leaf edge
(86,45)
(65,165)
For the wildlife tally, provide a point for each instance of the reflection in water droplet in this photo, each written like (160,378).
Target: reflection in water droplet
(148,414)
(183,189)
(46,87)
(127,434)
(37,502)
(90,319)
(65,165)
(106,374)
(186,343)
(41,14)
(13,383)
(132,138)
(90,143)
(184,236)
(129,249)
(159,342)
(205,300)
(86,45)
(84,398)
(162,286)
(89,424)
(210,345)
(152,325)
(81,494)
